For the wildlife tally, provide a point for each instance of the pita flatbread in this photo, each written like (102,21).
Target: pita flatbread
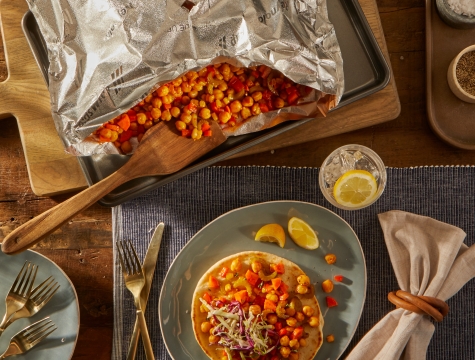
(312,335)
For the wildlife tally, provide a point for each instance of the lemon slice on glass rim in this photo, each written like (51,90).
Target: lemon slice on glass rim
(271,233)
(303,234)
(355,188)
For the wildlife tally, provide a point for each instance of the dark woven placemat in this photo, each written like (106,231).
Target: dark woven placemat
(186,205)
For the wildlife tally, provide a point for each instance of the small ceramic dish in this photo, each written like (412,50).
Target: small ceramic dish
(453,19)
(452,77)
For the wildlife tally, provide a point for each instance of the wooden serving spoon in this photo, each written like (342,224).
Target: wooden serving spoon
(162,151)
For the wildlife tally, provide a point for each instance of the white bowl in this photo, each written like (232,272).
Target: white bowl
(452,78)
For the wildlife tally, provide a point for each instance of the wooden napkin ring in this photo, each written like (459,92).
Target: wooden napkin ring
(423,305)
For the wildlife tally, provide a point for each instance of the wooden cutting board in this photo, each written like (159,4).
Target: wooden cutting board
(25,96)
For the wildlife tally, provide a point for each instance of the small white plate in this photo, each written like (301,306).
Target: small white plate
(63,308)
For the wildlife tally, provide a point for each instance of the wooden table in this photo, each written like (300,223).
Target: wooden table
(83,247)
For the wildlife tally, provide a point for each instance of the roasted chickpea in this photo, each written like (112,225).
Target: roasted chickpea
(175,112)
(162,90)
(186,118)
(224,117)
(302,342)
(205,326)
(235,106)
(141,118)
(290,329)
(203,309)
(213,339)
(290,311)
(193,94)
(294,343)
(255,109)
(299,316)
(291,321)
(313,321)
(257,96)
(255,309)
(236,265)
(285,352)
(156,102)
(218,94)
(294,356)
(303,280)
(247,101)
(213,321)
(114,136)
(256,266)
(167,99)
(245,113)
(156,113)
(148,124)
(166,115)
(284,341)
(327,286)
(272,319)
(106,133)
(330,338)
(228,287)
(205,113)
(272,297)
(302,289)
(180,125)
(126,147)
(308,311)
(279,103)
(330,258)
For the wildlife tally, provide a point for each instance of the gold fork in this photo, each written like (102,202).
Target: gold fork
(39,297)
(29,337)
(135,281)
(19,292)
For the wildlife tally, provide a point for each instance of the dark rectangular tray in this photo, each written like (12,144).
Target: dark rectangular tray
(365,71)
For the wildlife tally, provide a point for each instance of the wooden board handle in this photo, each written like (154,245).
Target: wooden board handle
(44,224)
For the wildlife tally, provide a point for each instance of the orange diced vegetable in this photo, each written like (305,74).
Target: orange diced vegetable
(223,272)
(276,283)
(269,305)
(213,283)
(251,277)
(278,267)
(124,122)
(241,296)
(207,297)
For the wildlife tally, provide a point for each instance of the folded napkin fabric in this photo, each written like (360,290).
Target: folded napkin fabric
(429,258)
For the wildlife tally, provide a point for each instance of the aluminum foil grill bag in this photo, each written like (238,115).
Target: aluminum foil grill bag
(107,55)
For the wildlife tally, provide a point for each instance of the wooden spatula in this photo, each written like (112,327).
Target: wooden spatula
(162,151)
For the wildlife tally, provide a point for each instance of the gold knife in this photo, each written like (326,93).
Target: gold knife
(148,266)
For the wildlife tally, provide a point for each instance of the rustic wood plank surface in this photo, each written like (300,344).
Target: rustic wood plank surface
(83,246)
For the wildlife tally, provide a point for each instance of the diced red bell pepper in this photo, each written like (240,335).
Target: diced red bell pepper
(140,129)
(267,94)
(278,326)
(126,135)
(282,332)
(292,98)
(205,127)
(241,296)
(255,73)
(224,271)
(331,302)
(338,278)
(208,133)
(185,133)
(211,69)
(167,106)
(278,267)
(214,107)
(284,296)
(236,84)
(264,107)
(131,112)
(124,122)
(297,333)
(251,277)
(191,107)
(207,297)
(133,118)
(213,283)
(148,114)
(276,282)
(291,90)
(269,305)
(259,300)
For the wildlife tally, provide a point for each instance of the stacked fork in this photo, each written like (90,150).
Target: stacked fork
(22,301)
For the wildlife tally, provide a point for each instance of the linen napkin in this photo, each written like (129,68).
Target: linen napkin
(428,258)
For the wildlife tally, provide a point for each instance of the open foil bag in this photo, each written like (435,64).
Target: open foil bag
(107,55)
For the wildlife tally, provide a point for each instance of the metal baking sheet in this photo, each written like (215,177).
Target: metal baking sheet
(365,70)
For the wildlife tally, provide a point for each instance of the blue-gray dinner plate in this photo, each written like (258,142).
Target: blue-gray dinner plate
(62,309)
(234,232)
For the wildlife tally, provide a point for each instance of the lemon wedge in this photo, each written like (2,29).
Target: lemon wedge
(271,233)
(303,234)
(355,188)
